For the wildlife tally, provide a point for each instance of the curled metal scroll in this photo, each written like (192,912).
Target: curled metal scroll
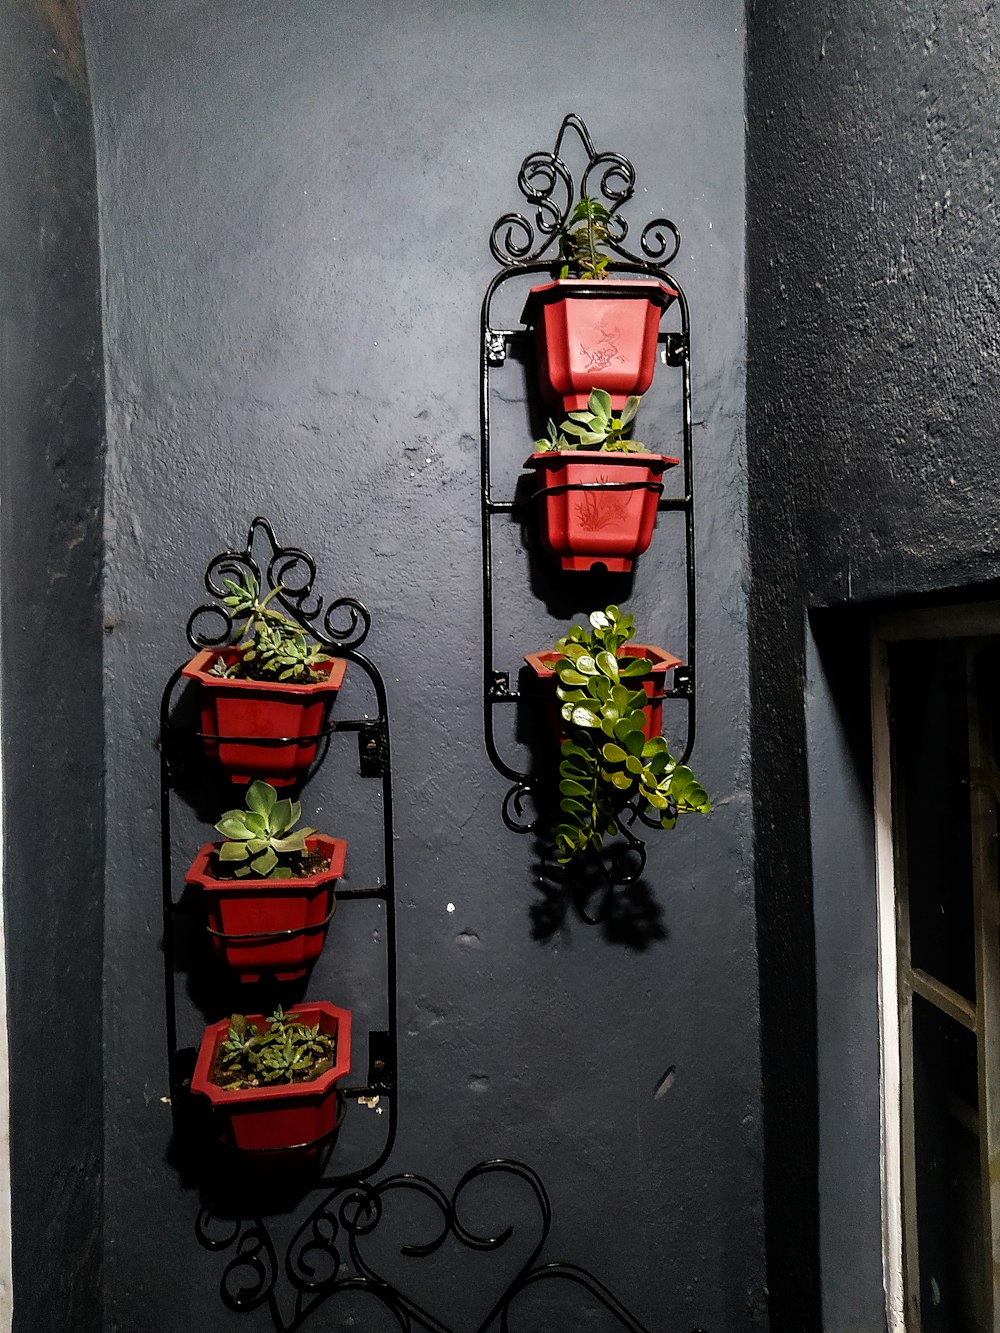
(327,1257)
(513,811)
(290,573)
(550,190)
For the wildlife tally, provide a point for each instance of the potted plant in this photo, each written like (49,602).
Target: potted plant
(269,888)
(265,699)
(612,760)
(599,488)
(271,1081)
(594,330)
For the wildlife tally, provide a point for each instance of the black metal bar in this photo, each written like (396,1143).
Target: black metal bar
(276,934)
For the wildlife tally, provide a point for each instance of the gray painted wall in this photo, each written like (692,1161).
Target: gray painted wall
(873,402)
(50,662)
(295,205)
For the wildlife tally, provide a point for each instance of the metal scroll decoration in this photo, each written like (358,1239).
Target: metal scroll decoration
(330,1259)
(548,186)
(290,573)
(525,242)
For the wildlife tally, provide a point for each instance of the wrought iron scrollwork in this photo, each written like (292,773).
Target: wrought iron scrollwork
(548,186)
(328,1256)
(290,573)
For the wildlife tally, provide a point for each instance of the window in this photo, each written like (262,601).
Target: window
(936,716)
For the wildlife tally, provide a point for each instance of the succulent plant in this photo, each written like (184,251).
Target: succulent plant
(595,427)
(606,763)
(285,1050)
(583,248)
(259,839)
(275,646)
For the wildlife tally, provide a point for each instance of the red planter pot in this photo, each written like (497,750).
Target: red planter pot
(653,684)
(268,909)
(610,521)
(596,335)
(254,710)
(289,1115)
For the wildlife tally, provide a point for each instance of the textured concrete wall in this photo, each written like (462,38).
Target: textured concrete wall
(872,409)
(295,206)
(51,647)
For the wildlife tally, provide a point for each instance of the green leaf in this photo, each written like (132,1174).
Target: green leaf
(570,677)
(630,409)
(295,842)
(570,788)
(606,662)
(256,845)
(632,740)
(232,825)
(621,780)
(261,797)
(587,665)
(599,620)
(255,824)
(265,863)
(636,666)
(614,754)
(600,403)
(655,799)
(655,745)
(584,717)
(233,851)
(283,816)
(633,764)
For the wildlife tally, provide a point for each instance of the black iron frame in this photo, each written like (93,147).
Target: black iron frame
(521,246)
(292,572)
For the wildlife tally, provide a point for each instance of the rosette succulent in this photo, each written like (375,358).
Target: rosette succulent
(607,764)
(595,427)
(262,840)
(285,1050)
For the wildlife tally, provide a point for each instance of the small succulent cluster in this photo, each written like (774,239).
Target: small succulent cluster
(607,763)
(276,648)
(595,427)
(285,1050)
(260,841)
(582,248)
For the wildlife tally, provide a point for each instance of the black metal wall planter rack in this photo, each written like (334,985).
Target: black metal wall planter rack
(530,244)
(335,1259)
(190,751)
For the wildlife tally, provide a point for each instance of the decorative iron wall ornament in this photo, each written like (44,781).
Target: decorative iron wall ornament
(329,1257)
(529,244)
(289,574)
(549,187)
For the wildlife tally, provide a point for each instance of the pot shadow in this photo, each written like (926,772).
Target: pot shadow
(234,1186)
(197,779)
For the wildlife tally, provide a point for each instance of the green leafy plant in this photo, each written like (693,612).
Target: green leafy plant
(260,841)
(582,248)
(595,427)
(607,764)
(285,1050)
(276,647)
